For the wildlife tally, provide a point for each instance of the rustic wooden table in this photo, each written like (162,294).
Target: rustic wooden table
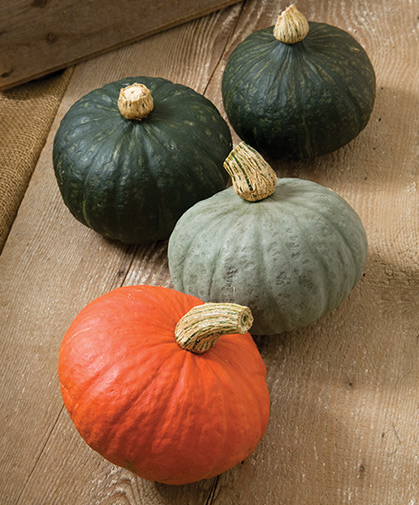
(344,422)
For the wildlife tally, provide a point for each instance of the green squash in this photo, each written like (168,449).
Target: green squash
(131,175)
(298,93)
(292,256)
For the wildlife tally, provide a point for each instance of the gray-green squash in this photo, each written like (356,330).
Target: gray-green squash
(132,156)
(298,89)
(290,249)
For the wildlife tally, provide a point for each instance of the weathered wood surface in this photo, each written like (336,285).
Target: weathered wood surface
(38,37)
(344,422)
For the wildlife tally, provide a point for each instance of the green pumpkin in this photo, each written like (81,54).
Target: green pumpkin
(291,257)
(301,99)
(130,177)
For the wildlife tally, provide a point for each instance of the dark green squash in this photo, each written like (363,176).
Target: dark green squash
(131,179)
(298,89)
(290,250)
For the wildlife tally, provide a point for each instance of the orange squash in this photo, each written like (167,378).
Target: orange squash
(147,388)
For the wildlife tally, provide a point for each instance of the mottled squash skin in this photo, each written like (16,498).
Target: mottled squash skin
(131,180)
(301,100)
(291,257)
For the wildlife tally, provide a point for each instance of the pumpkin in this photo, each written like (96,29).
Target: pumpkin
(290,249)
(132,156)
(164,385)
(298,89)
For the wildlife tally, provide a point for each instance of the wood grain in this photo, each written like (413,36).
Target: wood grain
(38,37)
(344,391)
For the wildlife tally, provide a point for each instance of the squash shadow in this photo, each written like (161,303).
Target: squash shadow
(385,149)
(142,264)
(397,272)
(197,492)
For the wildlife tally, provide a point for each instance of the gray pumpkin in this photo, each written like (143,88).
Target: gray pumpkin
(291,257)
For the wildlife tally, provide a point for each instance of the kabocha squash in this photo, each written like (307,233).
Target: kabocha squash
(164,385)
(298,89)
(132,156)
(291,249)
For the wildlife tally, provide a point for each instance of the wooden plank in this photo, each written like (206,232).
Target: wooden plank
(344,391)
(38,37)
(51,267)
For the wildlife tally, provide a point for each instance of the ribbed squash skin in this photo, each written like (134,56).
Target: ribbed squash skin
(291,257)
(145,404)
(301,100)
(131,180)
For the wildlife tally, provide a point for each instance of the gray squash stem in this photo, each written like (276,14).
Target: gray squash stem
(252,177)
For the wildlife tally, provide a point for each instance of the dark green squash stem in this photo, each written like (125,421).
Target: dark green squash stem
(291,26)
(135,102)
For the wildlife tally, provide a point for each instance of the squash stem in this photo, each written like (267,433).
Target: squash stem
(291,26)
(135,101)
(252,177)
(199,329)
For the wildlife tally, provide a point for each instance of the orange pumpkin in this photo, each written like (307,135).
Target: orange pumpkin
(147,388)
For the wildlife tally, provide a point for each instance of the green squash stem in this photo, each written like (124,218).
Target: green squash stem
(252,177)
(200,328)
(135,101)
(291,26)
